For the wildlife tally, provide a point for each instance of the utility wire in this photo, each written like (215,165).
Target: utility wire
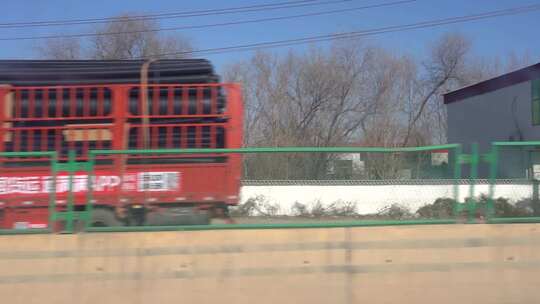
(136,17)
(202,26)
(186,14)
(376,31)
(354,34)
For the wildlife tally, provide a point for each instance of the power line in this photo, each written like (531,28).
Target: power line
(191,27)
(136,17)
(187,14)
(377,31)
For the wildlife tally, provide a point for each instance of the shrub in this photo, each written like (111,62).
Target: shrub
(318,210)
(503,208)
(258,205)
(441,208)
(395,212)
(245,209)
(342,208)
(299,209)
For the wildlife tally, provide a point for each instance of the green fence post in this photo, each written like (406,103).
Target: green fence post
(471,204)
(52,194)
(535,198)
(493,160)
(72,166)
(89,191)
(457,176)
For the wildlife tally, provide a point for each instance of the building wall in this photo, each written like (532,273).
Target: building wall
(488,117)
(495,116)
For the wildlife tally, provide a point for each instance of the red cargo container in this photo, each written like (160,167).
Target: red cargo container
(127,190)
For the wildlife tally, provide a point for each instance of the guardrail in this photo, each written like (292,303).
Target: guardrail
(13,201)
(381,167)
(301,155)
(508,159)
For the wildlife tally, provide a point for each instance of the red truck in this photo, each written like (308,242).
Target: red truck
(75,114)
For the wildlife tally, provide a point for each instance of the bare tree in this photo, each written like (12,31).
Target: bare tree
(126,38)
(120,38)
(354,93)
(452,65)
(448,56)
(326,97)
(321,98)
(60,48)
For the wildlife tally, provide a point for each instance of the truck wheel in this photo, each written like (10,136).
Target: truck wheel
(178,217)
(104,218)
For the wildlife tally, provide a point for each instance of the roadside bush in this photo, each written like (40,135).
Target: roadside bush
(441,208)
(317,209)
(503,208)
(299,209)
(395,212)
(342,208)
(245,209)
(525,204)
(253,206)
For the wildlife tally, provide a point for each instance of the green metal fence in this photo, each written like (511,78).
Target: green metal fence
(409,166)
(407,186)
(10,162)
(514,175)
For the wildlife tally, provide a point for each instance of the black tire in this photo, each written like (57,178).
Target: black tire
(104,218)
(190,217)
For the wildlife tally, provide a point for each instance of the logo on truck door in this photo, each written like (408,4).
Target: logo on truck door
(103,182)
(157,181)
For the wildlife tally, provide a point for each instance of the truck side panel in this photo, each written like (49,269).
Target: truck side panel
(84,118)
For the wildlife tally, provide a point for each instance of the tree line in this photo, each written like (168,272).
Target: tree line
(347,92)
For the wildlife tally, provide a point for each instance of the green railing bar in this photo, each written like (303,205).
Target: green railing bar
(491,158)
(271,226)
(516,143)
(278,150)
(16,154)
(513,220)
(24,231)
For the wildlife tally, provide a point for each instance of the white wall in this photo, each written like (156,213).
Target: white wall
(372,198)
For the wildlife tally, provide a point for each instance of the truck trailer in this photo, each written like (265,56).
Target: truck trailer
(74,107)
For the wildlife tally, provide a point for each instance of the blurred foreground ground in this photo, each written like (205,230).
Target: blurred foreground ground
(444,264)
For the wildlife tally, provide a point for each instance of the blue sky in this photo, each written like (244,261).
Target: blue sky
(493,37)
